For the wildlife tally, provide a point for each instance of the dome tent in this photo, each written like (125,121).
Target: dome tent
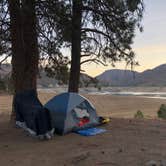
(71,112)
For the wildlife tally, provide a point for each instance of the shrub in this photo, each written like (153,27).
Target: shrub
(139,115)
(99,88)
(162,111)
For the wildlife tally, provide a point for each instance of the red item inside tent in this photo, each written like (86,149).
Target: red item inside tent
(83,121)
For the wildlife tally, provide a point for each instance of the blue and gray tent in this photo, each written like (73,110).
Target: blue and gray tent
(71,112)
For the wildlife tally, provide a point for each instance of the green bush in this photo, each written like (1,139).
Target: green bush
(162,111)
(99,88)
(139,115)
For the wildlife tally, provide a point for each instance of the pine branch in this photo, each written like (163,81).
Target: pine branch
(97,61)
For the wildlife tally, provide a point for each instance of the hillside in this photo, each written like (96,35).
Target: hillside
(115,77)
(44,81)
(153,77)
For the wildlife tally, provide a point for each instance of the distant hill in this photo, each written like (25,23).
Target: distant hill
(153,77)
(44,81)
(87,81)
(115,77)
(47,82)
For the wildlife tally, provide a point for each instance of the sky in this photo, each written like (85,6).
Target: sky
(149,46)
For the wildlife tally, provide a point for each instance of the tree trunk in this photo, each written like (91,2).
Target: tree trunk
(24,44)
(76,46)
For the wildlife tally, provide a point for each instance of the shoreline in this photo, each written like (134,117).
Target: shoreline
(147,92)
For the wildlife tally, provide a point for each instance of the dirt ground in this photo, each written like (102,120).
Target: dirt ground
(127,141)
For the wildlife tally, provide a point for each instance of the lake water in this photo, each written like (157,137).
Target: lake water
(156,94)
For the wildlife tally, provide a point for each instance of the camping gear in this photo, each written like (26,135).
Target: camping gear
(90,131)
(104,120)
(31,115)
(71,112)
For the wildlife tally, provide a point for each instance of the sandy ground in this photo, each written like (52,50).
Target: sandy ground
(127,141)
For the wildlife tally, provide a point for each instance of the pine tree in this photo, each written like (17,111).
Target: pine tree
(102,31)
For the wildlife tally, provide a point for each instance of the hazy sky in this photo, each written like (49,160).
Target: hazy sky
(150,46)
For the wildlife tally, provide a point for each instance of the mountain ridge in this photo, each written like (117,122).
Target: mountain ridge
(149,77)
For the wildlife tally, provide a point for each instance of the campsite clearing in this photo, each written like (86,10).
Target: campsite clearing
(126,142)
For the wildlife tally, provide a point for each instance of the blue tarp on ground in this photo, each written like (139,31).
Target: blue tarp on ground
(91,131)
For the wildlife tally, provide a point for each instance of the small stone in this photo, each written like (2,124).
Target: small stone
(120,151)
(163,163)
(142,149)
(102,152)
(6,146)
(152,163)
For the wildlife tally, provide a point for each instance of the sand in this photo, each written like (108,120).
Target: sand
(127,141)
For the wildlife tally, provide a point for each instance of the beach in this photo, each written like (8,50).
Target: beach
(128,141)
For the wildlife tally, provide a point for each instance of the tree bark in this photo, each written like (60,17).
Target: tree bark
(76,46)
(24,44)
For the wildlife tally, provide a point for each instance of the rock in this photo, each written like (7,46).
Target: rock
(79,158)
(102,152)
(152,163)
(120,150)
(163,163)
(143,149)
(156,163)
(6,146)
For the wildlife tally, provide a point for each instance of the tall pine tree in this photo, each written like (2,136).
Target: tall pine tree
(102,31)
(24,44)
(97,31)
